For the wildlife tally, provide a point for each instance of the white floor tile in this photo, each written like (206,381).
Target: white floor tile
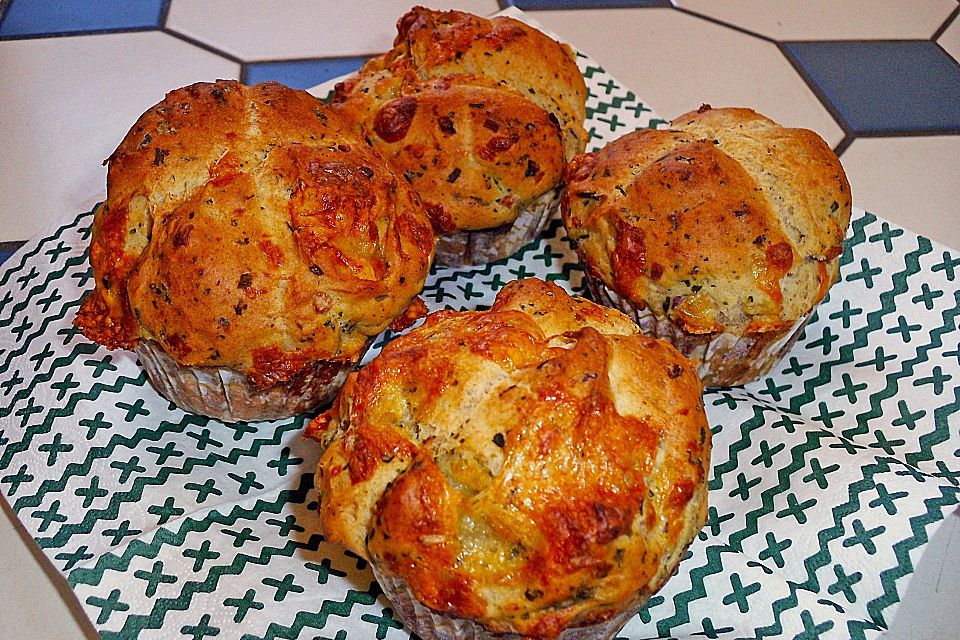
(84,94)
(676,62)
(29,587)
(950,39)
(929,606)
(829,19)
(292,29)
(911,181)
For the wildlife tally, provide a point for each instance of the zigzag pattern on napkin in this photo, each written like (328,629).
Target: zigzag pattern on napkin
(135,493)
(34,430)
(162,606)
(318,620)
(26,255)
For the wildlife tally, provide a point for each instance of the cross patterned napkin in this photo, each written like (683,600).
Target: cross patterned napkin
(827,477)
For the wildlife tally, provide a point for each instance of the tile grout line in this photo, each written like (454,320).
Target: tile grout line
(725,24)
(164,14)
(201,45)
(844,144)
(946,24)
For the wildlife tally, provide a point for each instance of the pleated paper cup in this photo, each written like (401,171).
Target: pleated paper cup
(225,394)
(722,359)
(470,248)
(432,625)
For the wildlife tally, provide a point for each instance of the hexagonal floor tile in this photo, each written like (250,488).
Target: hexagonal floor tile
(300,74)
(44,17)
(828,19)
(675,62)
(885,86)
(299,30)
(85,92)
(911,181)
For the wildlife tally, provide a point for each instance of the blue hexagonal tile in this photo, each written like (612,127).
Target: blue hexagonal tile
(300,74)
(7,249)
(884,87)
(54,17)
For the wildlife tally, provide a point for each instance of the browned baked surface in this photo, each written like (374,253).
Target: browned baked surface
(248,228)
(532,467)
(476,154)
(725,222)
(479,114)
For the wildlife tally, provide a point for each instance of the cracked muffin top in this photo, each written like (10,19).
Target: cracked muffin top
(537,466)
(248,228)
(726,221)
(480,115)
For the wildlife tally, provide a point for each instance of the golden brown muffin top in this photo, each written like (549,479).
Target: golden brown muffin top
(480,115)
(532,467)
(726,221)
(246,227)
(444,43)
(477,153)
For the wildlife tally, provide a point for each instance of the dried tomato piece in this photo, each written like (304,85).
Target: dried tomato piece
(393,120)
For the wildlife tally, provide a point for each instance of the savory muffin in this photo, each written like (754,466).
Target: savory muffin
(249,248)
(481,116)
(720,234)
(536,469)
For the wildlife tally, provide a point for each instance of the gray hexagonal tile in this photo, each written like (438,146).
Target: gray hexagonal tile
(900,87)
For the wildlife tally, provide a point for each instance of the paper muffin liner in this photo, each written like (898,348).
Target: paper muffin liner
(469,248)
(226,394)
(721,359)
(431,625)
